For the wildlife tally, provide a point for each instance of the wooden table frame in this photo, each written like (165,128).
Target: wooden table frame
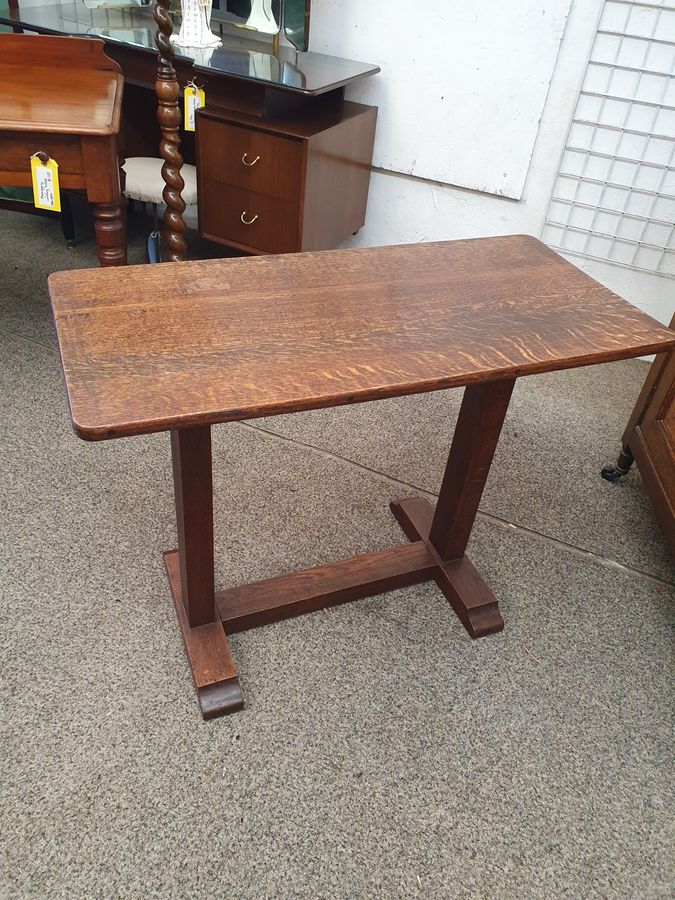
(182,347)
(436,552)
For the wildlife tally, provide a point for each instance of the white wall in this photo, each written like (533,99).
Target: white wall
(429,78)
(407,209)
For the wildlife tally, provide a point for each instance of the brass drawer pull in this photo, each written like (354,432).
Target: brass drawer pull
(243,219)
(249,164)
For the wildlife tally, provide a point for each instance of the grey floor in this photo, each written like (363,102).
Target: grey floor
(382,753)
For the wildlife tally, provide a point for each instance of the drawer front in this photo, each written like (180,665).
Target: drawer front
(249,159)
(265,223)
(16,148)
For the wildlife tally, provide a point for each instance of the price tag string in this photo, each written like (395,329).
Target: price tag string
(196,88)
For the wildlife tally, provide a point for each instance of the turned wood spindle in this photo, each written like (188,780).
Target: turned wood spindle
(167,90)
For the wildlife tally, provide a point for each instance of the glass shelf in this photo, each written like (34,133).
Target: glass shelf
(239,57)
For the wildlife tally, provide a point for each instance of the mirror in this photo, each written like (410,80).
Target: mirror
(267,17)
(254,15)
(296,23)
(261,16)
(116,4)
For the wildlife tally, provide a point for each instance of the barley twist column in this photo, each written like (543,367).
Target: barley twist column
(168,116)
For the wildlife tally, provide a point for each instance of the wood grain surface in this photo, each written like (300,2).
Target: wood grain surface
(209,655)
(650,439)
(193,493)
(58,84)
(286,596)
(464,588)
(149,348)
(300,182)
(479,425)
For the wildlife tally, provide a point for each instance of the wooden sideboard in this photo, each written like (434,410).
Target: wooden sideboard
(649,439)
(283,159)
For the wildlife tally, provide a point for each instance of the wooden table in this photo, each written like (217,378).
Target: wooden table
(184,346)
(63,96)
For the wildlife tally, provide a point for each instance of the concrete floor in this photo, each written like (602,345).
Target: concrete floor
(382,753)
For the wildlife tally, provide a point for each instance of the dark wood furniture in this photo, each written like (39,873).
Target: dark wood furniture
(649,440)
(182,347)
(283,160)
(63,96)
(167,91)
(296,183)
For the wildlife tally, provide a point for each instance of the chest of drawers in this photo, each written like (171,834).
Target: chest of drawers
(281,186)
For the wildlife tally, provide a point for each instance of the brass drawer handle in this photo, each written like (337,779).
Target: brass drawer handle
(249,164)
(243,219)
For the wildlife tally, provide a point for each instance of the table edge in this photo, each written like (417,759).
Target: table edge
(113,127)
(94,433)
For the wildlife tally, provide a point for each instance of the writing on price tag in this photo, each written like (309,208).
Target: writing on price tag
(45,177)
(194,98)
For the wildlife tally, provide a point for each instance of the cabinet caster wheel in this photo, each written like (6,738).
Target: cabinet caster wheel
(613,473)
(621,468)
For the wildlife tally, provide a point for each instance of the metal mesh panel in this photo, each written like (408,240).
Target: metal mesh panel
(614,197)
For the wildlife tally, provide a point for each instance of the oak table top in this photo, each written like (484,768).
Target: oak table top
(153,348)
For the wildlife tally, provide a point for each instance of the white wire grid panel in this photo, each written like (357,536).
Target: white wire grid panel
(614,197)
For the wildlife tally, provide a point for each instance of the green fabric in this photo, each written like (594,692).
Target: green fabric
(16,193)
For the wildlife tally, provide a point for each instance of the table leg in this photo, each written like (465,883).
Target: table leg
(101,160)
(190,571)
(446,530)
(111,234)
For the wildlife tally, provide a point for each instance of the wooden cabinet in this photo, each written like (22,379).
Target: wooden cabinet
(649,439)
(290,184)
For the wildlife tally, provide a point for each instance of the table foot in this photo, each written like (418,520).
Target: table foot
(466,591)
(220,699)
(208,653)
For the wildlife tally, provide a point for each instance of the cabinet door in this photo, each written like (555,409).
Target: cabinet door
(652,443)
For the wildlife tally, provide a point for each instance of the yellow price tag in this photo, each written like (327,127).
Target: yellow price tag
(194,98)
(45,177)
